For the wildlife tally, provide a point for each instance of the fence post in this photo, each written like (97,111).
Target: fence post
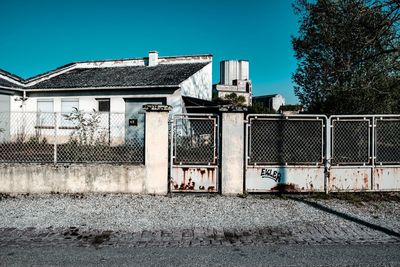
(156,149)
(232,156)
(55,138)
(327,162)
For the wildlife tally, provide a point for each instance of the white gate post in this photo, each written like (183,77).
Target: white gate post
(156,149)
(232,158)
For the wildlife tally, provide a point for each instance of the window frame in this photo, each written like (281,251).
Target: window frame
(49,117)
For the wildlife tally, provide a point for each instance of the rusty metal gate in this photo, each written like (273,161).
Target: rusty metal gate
(285,153)
(194,153)
(364,153)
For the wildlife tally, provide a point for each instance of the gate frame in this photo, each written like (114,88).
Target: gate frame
(325,139)
(372,150)
(217,157)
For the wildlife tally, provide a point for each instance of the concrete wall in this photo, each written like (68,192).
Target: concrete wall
(35,178)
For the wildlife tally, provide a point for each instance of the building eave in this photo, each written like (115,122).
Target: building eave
(102,88)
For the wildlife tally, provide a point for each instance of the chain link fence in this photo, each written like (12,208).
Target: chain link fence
(351,141)
(387,138)
(195,139)
(286,140)
(71,138)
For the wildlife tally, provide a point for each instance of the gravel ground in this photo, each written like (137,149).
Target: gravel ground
(132,213)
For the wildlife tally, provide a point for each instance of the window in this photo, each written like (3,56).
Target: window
(104,105)
(45,115)
(68,105)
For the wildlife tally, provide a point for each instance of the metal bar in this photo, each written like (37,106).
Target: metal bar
(328,145)
(55,138)
(372,146)
(196,166)
(171,153)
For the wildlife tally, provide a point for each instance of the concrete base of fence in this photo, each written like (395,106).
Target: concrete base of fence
(232,153)
(35,178)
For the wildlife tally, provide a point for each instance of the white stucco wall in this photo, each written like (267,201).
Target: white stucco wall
(4,117)
(24,117)
(176,102)
(199,85)
(89,103)
(277,102)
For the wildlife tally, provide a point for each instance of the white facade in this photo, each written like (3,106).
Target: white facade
(124,102)
(199,85)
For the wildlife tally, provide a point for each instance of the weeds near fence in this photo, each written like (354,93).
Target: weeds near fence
(86,128)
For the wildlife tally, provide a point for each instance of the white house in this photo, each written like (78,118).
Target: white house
(88,85)
(108,86)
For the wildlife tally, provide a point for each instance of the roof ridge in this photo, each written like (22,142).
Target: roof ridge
(38,76)
(11,75)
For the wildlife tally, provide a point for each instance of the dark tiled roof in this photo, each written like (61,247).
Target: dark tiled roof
(264,96)
(136,76)
(192,101)
(6,83)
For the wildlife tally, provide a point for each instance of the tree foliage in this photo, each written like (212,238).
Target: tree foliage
(231,99)
(259,108)
(348,56)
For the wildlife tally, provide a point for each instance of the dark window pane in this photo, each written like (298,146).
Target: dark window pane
(104,105)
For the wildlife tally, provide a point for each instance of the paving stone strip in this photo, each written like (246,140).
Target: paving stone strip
(305,234)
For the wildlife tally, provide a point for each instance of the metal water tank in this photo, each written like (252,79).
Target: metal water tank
(231,70)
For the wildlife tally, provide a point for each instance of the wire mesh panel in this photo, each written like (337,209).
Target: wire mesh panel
(102,137)
(387,140)
(285,140)
(27,137)
(195,140)
(71,138)
(350,141)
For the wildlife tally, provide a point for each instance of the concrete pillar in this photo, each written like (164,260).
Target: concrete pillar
(156,149)
(232,158)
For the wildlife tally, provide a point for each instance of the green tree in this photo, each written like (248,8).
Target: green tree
(231,99)
(348,56)
(259,108)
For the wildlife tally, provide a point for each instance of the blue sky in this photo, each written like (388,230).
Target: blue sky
(39,35)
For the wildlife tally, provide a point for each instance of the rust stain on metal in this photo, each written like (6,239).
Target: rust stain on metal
(286,188)
(195,179)
(211,173)
(366,181)
(211,189)
(185,170)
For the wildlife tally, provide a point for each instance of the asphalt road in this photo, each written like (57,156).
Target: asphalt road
(272,255)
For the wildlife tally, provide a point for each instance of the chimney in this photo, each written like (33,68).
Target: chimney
(153,58)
